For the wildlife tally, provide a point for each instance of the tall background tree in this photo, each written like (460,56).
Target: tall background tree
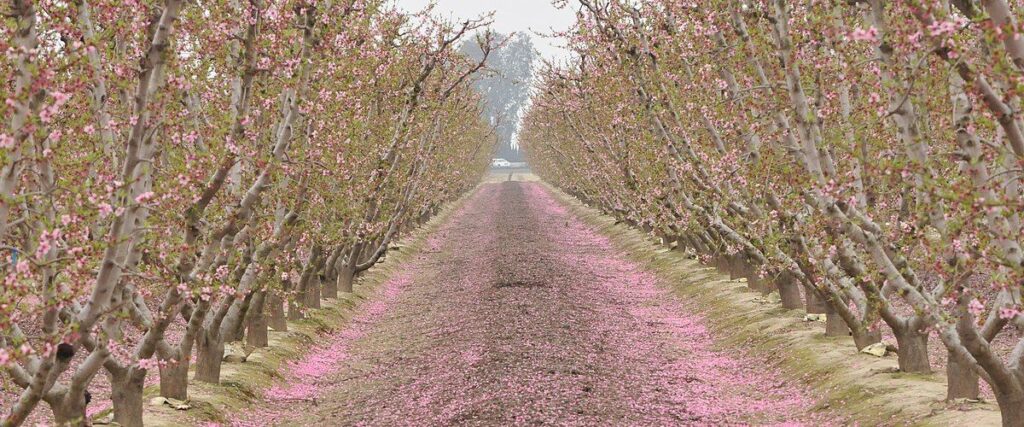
(506,89)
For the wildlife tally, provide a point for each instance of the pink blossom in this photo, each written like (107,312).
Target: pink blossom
(975,307)
(105,209)
(940,28)
(1009,313)
(869,35)
(149,364)
(144,197)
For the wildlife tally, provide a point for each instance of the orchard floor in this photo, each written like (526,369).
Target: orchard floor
(516,312)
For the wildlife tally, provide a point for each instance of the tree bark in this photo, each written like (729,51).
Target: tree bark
(734,265)
(295,307)
(329,284)
(1011,407)
(789,291)
(329,287)
(814,303)
(913,350)
(174,379)
(209,358)
(861,340)
(835,326)
(278,321)
(346,278)
(311,278)
(313,291)
(961,380)
(126,394)
(256,329)
(69,411)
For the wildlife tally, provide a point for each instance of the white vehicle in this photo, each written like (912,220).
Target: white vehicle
(500,163)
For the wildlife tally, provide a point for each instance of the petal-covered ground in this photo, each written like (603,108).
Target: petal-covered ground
(517,313)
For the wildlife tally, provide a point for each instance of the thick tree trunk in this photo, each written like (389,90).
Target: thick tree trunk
(764,284)
(814,303)
(913,351)
(1011,407)
(294,309)
(126,394)
(209,358)
(295,306)
(346,278)
(174,379)
(256,327)
(961,380)
(329,284)
(750,270)
(329,287)
(70,411)
(835,326)
(313,291)
(237,332)
(789,291)
(721,262)
(311,283)
(734,265)
(863,338)
(278,321)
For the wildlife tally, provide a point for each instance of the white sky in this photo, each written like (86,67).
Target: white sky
(524,16)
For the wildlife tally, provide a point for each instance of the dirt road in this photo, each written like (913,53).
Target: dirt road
(517,313)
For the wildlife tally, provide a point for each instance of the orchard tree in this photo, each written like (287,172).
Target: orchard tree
(867,152)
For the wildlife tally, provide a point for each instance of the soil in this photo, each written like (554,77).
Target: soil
(517,312)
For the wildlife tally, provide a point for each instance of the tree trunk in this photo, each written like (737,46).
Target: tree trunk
(329,284)
(294,311)
(174,379)
(754,280)
(313,291)
(329,287)
(913,351)
(278,321)
(835,326)
(721,262)
(209,358)
(237,333)
(1011,407)
(789,291)
(765,285)
(346,278)
(961,380)
(311,286)
(70,411)
(295,306)
(256,334)
(681,244)
(815,304)
(866,338)
(126,394)
(734,264)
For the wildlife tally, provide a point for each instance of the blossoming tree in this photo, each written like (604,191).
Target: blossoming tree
(868,152)
(176,173)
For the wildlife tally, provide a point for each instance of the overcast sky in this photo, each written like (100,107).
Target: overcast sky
(526,16)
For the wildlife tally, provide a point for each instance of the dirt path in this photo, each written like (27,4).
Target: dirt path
(516,313)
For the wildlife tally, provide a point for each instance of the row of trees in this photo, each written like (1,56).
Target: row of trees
(869,152)
(177,175)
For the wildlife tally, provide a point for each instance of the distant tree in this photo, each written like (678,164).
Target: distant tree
(506,89)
